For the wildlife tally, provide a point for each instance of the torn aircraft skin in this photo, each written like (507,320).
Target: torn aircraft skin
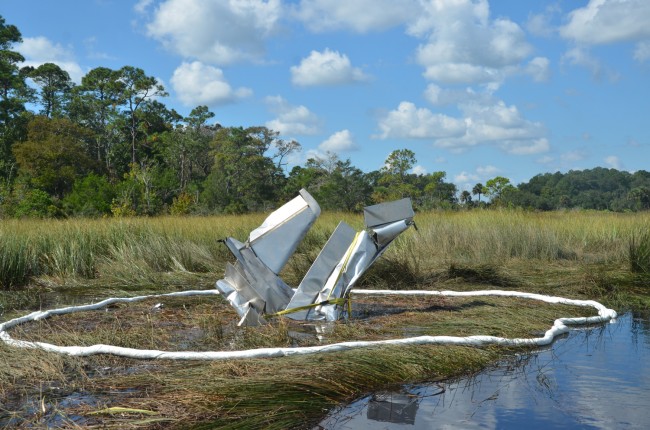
(253,287)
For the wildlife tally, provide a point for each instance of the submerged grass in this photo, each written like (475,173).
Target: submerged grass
(601,256)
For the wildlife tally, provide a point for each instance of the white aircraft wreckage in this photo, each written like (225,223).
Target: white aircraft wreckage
(253,287)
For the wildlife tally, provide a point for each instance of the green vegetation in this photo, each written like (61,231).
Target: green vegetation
(640,253)
(50,263)
(599,188)
(136,252)
(110,147)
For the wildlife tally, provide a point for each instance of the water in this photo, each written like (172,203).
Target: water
(597,378)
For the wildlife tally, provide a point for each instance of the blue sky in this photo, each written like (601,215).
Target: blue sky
(475,88)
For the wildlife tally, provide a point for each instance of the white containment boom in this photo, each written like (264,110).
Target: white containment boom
(253,287)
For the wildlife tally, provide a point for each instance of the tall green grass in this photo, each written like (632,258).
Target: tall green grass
(17,260)
(639,253)
(110,249)
(487,247)
(489,236)
(141,250)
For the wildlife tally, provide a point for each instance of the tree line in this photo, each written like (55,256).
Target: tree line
(110,147)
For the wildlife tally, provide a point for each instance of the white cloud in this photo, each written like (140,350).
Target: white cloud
(407,121)
(438,96)
(90,44)
(340,141)
(579,56)
(614,162)
(540,25)
(360,15)
(291,119)
(465,178)
(526,147)
(419,170)
(538,69)
(464,45)
(484,121)
(219,31)
(499,124)
(608,21)
(487,171)
(642,51)
(198,84)
(326,68)
(546,159)
(315,154)
(461,43)
(142,5)
(459,73)
(40,50)
(572,156)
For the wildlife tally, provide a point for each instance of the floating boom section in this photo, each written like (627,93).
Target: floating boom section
(252,284)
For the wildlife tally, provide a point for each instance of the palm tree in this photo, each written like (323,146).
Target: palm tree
(478,189)
(466,197)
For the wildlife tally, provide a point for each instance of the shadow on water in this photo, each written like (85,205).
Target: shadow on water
(596,378)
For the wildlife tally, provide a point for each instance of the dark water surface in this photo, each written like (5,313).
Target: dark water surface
(596,378)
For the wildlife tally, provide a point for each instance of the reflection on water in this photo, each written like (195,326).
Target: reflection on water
(597,378)
(399,407)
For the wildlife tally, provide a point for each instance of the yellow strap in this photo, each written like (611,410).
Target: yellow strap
(340,301)
(348,255)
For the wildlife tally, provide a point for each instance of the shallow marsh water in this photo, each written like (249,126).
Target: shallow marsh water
(596,378)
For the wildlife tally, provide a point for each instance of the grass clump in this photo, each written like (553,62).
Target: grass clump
(17,261)
(639,253)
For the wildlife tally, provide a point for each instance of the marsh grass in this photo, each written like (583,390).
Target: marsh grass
(112,250)
(209,323)
(260,393)
(145,251)
(495,236)
(571,254)
(190,323)
(17,261)
(639,253)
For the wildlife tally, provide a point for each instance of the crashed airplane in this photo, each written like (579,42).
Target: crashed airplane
(253,287)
